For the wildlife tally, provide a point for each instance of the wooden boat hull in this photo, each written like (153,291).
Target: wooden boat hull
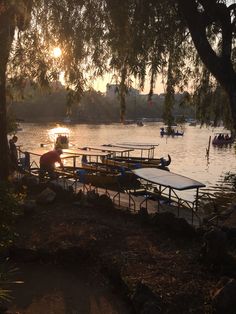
(134,163)
(101,167)
(108,180)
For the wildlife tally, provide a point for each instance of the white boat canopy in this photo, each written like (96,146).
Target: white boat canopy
(111,149)
(135,146)
(69,153)
(138,144)
(83,152)
(40,151)
(143,149)
(167,179)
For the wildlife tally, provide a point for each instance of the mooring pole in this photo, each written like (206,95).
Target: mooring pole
(208,148)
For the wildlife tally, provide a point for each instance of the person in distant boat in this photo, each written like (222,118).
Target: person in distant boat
(62,141)
(162,131)
(220,137)
(13,152)
(47,163)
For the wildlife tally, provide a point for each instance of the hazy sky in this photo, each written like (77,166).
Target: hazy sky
(100,85)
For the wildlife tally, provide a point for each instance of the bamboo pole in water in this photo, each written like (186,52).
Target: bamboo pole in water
(208,148)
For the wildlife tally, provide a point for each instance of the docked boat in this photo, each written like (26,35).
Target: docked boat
(67,119)
(87,171)
(120,156)
(193,123)
(95,170)
(111,181)
(135,162)
(165,189)
(222,138)
(106,166)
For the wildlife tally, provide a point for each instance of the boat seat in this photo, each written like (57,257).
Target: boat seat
(81,175)
(155,196)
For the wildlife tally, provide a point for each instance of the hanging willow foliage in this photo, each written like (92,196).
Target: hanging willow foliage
(131,38)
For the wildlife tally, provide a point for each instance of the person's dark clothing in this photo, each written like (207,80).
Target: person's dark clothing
(50,158)
(13,154)
(47,163)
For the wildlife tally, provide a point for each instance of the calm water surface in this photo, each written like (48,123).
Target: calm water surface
(188,152)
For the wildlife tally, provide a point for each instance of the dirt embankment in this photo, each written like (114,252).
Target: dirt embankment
(121,246)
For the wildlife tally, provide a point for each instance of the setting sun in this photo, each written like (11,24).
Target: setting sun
(56,52)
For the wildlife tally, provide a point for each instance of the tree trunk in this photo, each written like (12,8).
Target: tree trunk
(4,150)
(220,66)
(7,29)
(123,95)
(232,101)
(169,97)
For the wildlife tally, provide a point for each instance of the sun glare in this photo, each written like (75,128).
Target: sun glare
(56,52)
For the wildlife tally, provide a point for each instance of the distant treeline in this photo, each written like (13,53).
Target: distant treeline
(94,107)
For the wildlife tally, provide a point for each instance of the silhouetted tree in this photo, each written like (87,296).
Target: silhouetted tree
(130,38)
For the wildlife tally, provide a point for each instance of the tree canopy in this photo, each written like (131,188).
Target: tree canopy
(190,43)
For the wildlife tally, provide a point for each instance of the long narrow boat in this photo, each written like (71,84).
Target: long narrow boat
(145,159)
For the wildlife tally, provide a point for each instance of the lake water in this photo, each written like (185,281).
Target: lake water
(188,153)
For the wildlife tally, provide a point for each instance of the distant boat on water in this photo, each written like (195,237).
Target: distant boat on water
(193,123)
(129,121)
(222,138)
(67,120)
(140,123)
(170,131)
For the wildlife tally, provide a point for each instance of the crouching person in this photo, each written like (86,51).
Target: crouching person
(47,163)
